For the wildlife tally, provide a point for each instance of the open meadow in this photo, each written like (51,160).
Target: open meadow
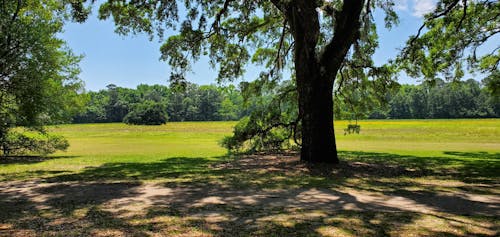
(396,178)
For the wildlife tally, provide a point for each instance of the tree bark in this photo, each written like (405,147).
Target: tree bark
(313,85)
(315,72)
(316,109)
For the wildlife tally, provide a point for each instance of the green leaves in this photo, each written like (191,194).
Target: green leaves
(450,41)
(39,81)
(147,113)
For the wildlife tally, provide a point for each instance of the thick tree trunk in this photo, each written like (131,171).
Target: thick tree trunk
(316,109)
(316,71)
(314,86)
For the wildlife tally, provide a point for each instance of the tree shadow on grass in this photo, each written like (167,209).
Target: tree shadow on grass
(474,155)
(169,168)
(353,164)
(29,174)
(256,196)
(30,159)
(34,209)
(467,167)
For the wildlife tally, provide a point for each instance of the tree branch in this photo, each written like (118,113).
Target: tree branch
(346,32)
(280,5)
(282,39)
(218,16)
(433,17)
(463,15)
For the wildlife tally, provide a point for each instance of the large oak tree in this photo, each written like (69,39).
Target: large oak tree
(327,43)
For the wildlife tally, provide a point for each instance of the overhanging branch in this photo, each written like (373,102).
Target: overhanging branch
(437,15)
(218,16)
(346,32)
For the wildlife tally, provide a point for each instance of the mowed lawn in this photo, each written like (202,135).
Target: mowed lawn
(396,178)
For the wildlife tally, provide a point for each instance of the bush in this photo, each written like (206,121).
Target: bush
(16,143)
(147,113)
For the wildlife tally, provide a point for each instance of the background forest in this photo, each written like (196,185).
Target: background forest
(461,99)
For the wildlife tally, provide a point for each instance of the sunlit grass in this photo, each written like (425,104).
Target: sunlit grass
(93,145)
(422,137)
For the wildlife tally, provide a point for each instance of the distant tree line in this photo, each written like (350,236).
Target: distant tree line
(157,104)
(457,99)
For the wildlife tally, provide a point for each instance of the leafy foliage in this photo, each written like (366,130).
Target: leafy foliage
(193,103)
(147,113)
(450,41)
(272,121)
(38,73)
(466,99)
(17,143)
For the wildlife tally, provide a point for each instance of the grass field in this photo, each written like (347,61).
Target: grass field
(396,178)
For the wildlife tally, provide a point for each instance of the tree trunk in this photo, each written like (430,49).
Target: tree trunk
(315,71)
(314,86)
(316,109)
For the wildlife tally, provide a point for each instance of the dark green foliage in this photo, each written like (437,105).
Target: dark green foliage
(118,103)
(492,83)
(450,39)
(272,123)
(94,111)
(17,143)
(191,103)
(356,96)
(39,82)
(468,99)
(146,113)
(459,99)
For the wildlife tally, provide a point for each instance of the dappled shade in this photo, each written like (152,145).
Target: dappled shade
(369,194)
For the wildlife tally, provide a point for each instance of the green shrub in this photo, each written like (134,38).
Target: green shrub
(16,143)
(147,113)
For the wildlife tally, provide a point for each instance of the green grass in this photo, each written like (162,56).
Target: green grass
(97,144)
(423,137)
(440,164)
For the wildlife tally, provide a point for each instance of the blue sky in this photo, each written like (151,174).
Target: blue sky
(131,60)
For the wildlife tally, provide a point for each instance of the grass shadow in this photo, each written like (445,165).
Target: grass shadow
(263,195)
(30,159)
(169,168)
(467,167)
(474,155)
(26,175)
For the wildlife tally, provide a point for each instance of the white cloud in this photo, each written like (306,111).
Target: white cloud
(401,5)
(422,7)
